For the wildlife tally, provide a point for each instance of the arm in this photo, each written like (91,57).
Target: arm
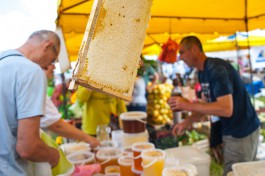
(222,107)
(83,94)
(180,128)
(151,71)
(29,145)
(156,76)
(121,107)
(56,95)
(66,130)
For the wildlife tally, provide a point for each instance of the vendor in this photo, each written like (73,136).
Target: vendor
(226,98)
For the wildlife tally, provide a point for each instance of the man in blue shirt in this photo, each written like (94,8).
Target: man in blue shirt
(226,98)
(22,92)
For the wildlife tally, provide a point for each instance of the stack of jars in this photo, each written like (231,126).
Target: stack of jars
(137,160)
(141,159)
(134,127)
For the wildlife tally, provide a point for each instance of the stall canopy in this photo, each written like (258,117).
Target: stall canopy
(208,19)
(243,39)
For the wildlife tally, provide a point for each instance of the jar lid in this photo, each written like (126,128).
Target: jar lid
(108,153)
(133,115)
(141,146)
(126,160)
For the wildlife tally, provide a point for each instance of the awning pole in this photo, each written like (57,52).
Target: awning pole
(64,91)
(237,53)
(248,48)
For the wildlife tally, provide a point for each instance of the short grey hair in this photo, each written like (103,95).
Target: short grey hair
(42,35)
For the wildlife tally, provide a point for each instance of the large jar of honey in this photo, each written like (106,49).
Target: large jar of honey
(153,162)
(126,164)
(137,150)
(107,157)
(133,122)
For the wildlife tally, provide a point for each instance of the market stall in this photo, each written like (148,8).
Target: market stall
(169,19)
(135,155)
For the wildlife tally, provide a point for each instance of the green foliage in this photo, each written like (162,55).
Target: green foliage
(216,169)
(166,142)
(63,110)
(151,63)
(190,137)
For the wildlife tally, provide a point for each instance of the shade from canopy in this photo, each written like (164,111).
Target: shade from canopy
(208,19)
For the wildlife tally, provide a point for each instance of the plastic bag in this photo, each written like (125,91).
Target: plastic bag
(87,170)
(35,168)
(169,53)
(64,165)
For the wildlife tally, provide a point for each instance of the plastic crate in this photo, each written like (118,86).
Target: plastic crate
(254,168)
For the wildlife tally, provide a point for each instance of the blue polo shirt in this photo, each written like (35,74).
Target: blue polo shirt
(22,92)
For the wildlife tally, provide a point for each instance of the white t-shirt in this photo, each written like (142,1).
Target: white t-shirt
(51,116)
(139,91)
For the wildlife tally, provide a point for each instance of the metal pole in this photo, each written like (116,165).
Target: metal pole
(64,96)
(237,53)
(248,48)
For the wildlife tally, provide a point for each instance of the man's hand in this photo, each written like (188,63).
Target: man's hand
(55,158)
(177,103)
(180,128)
(93,142)
(29,145)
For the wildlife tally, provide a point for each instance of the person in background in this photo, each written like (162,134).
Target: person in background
(57,96)
(61,98)
(179,79)
(226,98)
(98,109)
(22,92)
(52,120)
(138,102)
(148,73)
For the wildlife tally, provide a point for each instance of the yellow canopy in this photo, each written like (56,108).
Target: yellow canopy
(207,19)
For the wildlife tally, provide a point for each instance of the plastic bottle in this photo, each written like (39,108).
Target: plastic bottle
(177,114)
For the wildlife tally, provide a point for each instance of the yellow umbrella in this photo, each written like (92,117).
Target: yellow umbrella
(175,18)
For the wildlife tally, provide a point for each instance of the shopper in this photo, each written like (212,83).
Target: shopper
(226,98)
(139,101)
(98,109)
(52,120)
(148,73)
(22,92)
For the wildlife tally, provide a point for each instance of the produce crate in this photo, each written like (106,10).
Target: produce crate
(202,144)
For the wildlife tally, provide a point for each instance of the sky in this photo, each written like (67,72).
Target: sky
(19,18)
